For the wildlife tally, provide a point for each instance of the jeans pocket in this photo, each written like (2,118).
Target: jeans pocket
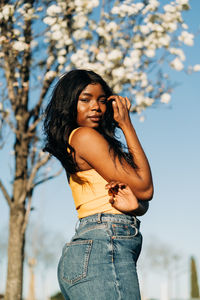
(122,231)
(75,259)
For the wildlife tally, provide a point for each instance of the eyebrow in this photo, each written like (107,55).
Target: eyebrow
(90,95)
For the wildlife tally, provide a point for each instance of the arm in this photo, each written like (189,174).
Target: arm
(121,107)
(92,148)
(122,198)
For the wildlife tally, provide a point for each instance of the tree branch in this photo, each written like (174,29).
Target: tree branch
(32,127)
(48,178)
(5,193)
(36,167)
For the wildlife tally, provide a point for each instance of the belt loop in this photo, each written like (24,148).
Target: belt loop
(135,220)
(99,218)
(77,225)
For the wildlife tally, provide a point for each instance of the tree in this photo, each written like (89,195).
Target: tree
(194,287)
(125,41)
(40,255)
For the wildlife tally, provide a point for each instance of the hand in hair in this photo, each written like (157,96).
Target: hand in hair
(121,106)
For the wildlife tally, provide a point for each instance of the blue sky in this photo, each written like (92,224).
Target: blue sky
(170,137)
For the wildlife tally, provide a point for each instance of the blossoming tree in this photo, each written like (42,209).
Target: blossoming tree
(127,42)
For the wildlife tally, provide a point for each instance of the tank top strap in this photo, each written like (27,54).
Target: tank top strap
(71,134)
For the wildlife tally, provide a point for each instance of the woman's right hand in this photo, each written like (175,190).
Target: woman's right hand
(121,106)
(121,197)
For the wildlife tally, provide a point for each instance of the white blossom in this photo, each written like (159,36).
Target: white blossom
(128,62)
(144,29)
(53,10)
(184,26)
(112,26)
(62,52)
(80,21)
(169,8)
(2,38)
(8,11)
(49,21)
(150,52)
(142,118)
(33,44)
(117,88)
(118,72)
(135,56)
(56,35)
(177,64)
(55,27)
(115,55)
(172,26)
(50,75)
(196,68)
(50,60)
(68,41)
(179,52)
(165,98)
(16,32)
(148,101)
(115,10)
(182,2)
(187,38)
(133,36)
(19,46)
(61,60)
(81,34)
(101,56)
(149,88)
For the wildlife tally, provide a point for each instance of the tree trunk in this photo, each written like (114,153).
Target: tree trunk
(15,254)
(31,291)
(194,287)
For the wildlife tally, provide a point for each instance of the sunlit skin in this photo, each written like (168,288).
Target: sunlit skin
(91,106)
(93,151)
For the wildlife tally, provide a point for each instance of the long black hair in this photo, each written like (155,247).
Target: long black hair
(61,116)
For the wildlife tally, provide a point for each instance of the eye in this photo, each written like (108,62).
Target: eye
(103,100)
(84,100)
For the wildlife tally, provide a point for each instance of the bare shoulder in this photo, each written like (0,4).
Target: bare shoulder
(86,136)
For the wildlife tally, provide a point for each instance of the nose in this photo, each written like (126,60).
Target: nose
(95,105)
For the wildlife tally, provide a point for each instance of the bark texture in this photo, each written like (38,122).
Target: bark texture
(15,254)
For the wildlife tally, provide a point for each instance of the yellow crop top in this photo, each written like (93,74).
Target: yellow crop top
(90,197)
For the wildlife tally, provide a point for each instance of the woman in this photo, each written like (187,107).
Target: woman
(109,185)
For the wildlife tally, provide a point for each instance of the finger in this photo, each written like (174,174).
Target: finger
(122,186)
(112,200)
(119,99)
(112,97)
(128,103)
(121,103)
(115,109)
(111,184)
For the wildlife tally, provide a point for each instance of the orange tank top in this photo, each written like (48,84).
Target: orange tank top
(89,193)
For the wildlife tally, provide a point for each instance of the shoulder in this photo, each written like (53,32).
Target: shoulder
(86,137)
(85,133)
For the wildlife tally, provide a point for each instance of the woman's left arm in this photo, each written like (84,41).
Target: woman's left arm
(121,108)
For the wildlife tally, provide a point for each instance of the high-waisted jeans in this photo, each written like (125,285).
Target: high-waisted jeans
(100,261)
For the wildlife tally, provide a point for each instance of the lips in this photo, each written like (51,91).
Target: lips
(95,118)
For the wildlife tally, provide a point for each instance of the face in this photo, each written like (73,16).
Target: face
(91,106)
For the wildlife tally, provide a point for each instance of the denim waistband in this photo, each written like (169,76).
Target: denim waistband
(112,218)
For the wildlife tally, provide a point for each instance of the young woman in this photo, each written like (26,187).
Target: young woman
(110,187)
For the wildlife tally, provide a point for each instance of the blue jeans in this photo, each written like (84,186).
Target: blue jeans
(100,261)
